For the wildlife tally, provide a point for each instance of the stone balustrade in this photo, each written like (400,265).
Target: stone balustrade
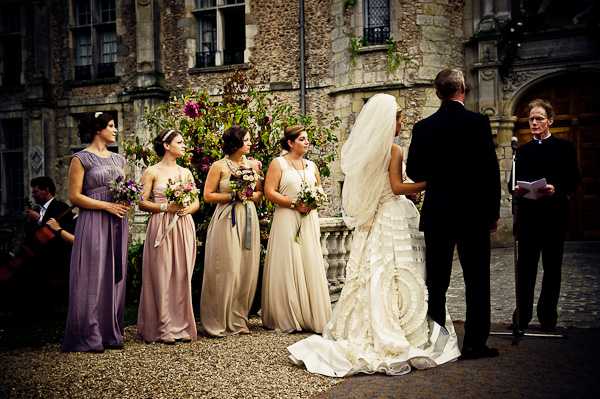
(335,243)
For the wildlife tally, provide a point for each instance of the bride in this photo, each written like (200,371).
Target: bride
(380,322)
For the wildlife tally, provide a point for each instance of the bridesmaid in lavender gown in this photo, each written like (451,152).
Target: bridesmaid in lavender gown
(99,257)
(166,314)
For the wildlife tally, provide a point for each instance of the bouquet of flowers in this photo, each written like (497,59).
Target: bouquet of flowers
(243,182)
(125,191)
(312,197)
(181,193)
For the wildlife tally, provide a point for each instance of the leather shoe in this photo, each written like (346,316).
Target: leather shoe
(478,353)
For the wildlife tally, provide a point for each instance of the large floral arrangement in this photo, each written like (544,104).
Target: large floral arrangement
(203,119)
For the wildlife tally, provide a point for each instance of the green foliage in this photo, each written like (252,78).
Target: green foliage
(355,45)
(202,122)
(348,4)
(393,57)
(134,271)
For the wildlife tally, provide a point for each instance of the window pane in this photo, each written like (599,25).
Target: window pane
(207,39)
(233,1)
(235,35)
(10,61)
(205,3)
(11,134)
(377,21)
(83,14)
(107,11)
(83,48)
(11,164)
(10,19)
(108,46)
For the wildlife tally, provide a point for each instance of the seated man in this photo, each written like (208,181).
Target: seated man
(47,270)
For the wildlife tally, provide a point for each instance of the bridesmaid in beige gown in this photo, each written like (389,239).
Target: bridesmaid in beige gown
(295,291)
(232,252)
(165,313)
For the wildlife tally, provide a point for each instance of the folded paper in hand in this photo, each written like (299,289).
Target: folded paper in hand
(532,188)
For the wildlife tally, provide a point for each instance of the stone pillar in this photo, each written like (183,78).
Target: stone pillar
(335,244)
(146,30)
(502,127)
(148,92)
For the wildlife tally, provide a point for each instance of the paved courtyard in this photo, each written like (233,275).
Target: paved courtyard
(256,365)
(579,304)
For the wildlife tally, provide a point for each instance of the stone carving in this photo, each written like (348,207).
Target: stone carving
(488,74)
(36,161)
(516,79)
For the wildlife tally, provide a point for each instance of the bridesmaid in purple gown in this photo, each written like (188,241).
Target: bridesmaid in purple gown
(166,314)
(99,257)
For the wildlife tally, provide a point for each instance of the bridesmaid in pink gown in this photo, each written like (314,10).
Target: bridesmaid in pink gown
(165,313)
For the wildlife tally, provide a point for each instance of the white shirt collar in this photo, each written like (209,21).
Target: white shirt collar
(45,206)
(43,210)
(458,101)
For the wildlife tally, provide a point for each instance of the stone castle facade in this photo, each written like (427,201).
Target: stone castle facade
(64,58)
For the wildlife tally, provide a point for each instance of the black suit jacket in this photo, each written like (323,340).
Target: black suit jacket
(554,159)
(454,152)
(56,251)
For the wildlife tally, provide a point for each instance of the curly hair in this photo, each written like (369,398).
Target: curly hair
(233,139)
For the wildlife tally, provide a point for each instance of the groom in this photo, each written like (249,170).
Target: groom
(453,151)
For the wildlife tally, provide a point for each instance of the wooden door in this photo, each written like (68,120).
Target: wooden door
(576,102)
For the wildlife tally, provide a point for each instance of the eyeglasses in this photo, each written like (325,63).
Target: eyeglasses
(537,119)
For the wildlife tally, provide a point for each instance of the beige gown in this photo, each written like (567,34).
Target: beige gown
(230,271)
(295,291)
(166,311)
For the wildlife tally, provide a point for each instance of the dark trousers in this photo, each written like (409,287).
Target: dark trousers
(550,245)
(473,248)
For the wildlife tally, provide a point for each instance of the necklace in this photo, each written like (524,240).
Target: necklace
(303,175)
(233,168)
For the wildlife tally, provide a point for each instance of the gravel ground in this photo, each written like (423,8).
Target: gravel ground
(245,366)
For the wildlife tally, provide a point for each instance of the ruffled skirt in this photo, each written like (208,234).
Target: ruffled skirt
(380,322)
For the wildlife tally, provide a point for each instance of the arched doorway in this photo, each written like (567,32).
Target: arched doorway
(576,101)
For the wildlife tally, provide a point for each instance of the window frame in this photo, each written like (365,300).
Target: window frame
(95,28)
(19,202)
(369,32)
(13,33)
(217,54)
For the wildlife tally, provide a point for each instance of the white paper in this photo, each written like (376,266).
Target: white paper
(532,188)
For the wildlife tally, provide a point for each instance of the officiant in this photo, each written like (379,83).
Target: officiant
(541,223)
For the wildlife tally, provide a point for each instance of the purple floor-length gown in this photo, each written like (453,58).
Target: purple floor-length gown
(98,264)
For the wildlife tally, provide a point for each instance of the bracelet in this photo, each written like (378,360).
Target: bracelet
(58,232)
(163,207)
(293,204)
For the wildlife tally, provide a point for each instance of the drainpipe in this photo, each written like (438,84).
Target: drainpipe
(302,64)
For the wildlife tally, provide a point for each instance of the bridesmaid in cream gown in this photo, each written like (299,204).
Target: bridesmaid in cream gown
(165,313)
(295,291)
(232,243)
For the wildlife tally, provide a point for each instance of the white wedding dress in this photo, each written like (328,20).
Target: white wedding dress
(380,322)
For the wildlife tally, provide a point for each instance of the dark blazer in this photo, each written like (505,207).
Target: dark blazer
(454,152)
(56,251)
(556,160)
